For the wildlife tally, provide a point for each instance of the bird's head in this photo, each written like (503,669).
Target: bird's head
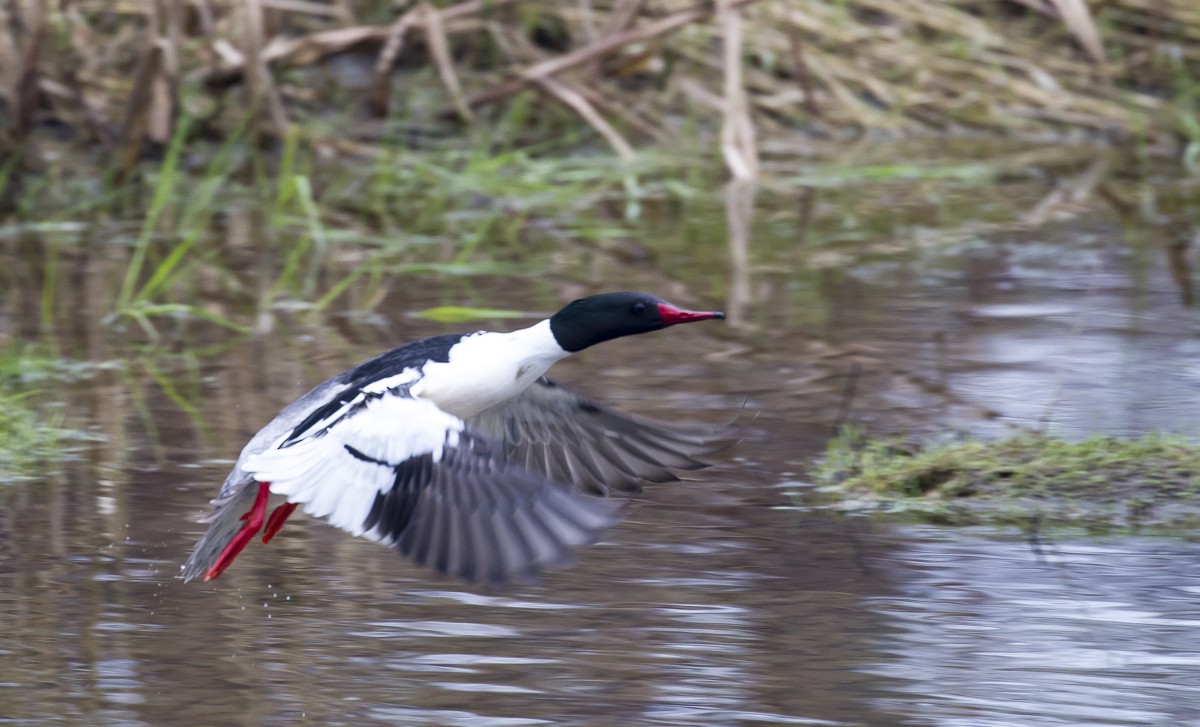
(598,318)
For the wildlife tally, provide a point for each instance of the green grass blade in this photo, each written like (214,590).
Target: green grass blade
(162,194)
(463,314)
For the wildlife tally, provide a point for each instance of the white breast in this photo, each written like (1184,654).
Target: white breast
(487,368)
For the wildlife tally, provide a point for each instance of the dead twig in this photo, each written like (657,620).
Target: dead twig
(737,129)
(137,109)
(600,48)
(802,74)
(93,117)
(381,85)
(1079,21)
(618,21)
(577,103)
(618,108)
(314,46)
(165,97)
(27,85)
(439,49)
(259,84)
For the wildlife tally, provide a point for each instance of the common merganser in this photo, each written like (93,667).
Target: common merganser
(457,451)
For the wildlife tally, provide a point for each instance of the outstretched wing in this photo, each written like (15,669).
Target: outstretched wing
(566,437)
(401,471)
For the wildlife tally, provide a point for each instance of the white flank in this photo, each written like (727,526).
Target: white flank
(329,482)
(487,368)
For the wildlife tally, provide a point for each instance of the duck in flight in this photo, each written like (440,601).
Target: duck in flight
(457,451)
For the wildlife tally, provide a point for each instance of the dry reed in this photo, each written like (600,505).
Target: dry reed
(120,73)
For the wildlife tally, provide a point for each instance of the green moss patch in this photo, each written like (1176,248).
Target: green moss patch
(1100,483)
(34,438)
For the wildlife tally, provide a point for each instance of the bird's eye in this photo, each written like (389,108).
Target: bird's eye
(639,308)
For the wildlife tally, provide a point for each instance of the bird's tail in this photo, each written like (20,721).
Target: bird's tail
(224,522)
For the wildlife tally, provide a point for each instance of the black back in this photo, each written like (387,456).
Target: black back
(410,355)
(389,363)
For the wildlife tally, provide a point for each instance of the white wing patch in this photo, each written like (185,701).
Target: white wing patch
(407,376)
(375,388)
(329,480)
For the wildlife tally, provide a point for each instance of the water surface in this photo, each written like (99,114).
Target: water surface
(720,600)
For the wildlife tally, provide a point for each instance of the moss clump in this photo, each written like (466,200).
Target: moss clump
(1100,482)
(33,438)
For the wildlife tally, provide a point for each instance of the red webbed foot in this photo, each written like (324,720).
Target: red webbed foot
(254,521)
(278,516)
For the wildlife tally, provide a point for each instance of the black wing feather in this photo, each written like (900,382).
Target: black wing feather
(399,470)
(564,436)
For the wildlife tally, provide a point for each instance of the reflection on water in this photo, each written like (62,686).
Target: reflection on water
(716,603)
(709,606)
(988,632)
(720,600)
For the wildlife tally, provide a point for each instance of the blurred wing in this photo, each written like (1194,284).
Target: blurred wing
(401,471)
(560,434)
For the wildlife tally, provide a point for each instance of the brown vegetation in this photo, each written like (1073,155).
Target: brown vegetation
(120,73)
